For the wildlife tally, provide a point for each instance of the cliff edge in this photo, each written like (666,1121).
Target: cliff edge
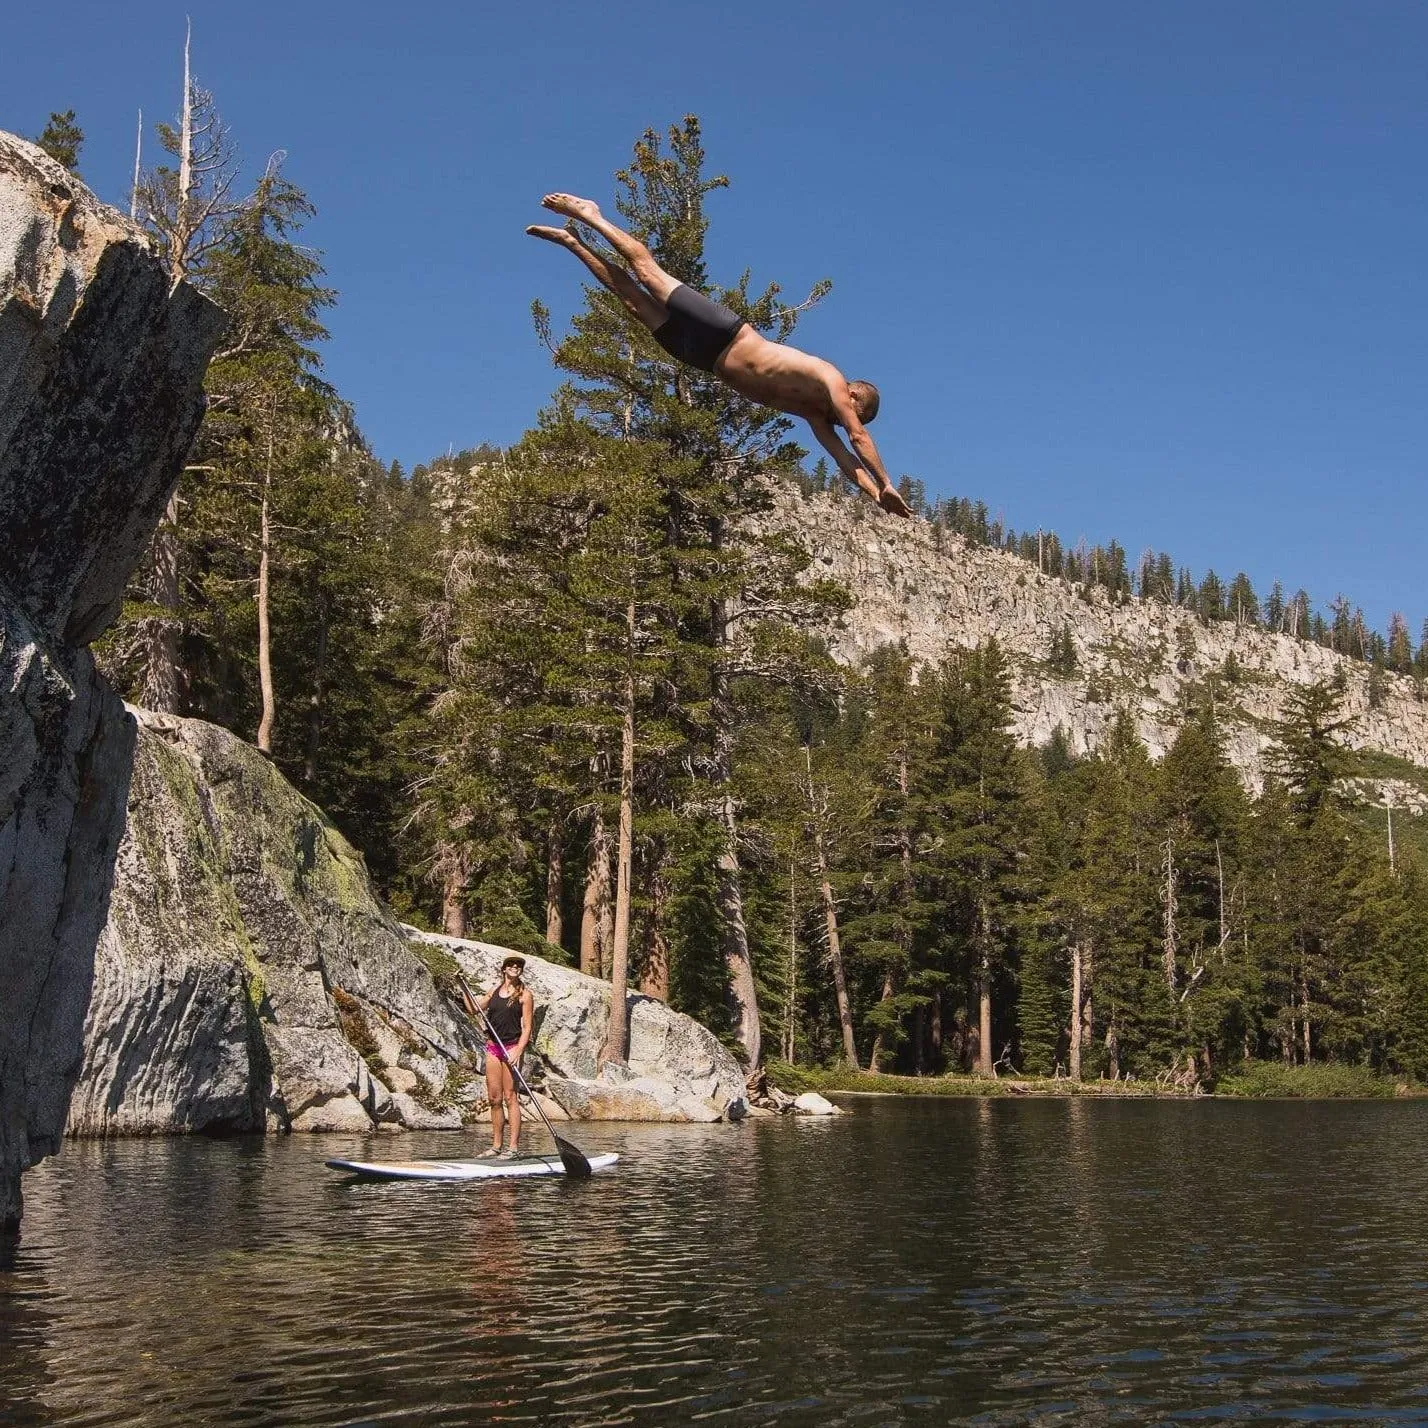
(101,371)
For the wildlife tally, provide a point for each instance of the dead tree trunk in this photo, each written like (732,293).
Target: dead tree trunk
(819,812)
(265,635)
(1169,906)
(741,994)
(1076,972)
(555,881)
(597,900)
(984,990)
(314,712)
(617,1036)
(790,1004)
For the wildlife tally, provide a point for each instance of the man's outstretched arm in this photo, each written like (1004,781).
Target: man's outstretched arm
(875,481)
(848,418)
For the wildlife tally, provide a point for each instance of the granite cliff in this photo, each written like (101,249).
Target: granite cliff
(932,590)
(101,370)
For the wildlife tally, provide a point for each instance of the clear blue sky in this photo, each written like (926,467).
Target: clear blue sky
(1156,271)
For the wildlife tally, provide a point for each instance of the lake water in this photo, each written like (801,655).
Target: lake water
(988,1262)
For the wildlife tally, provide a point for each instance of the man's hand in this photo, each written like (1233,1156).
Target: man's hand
(874,482)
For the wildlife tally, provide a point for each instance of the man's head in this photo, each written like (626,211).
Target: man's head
(865,399)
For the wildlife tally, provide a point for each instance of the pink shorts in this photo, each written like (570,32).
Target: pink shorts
(498,1052)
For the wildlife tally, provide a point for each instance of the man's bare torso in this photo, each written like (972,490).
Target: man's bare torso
(777,375)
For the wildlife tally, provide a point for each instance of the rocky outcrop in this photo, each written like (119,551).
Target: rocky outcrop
(933,590)
(249,979)
(101,371)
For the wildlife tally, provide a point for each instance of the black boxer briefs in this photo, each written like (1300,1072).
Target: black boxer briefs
(698,329)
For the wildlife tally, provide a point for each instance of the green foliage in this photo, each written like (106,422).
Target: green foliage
(1275,1080)
(353,1022)
(1061,661)
(1309,754)
(444,968)
(62,139)
(455,653)
(696,916)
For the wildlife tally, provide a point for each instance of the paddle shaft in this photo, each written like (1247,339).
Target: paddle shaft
(572,1158)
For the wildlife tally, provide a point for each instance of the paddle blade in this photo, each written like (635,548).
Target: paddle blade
(576,1165)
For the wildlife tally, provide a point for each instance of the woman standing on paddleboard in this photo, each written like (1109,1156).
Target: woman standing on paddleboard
(510,1013)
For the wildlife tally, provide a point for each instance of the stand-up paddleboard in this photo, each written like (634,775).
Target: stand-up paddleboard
(461,1169)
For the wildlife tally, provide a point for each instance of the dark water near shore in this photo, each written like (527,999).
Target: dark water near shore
(988,1262)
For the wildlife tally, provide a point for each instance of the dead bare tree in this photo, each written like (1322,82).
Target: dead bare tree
(189,210)
(265,634)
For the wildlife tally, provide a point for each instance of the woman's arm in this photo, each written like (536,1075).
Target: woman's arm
(527,1020)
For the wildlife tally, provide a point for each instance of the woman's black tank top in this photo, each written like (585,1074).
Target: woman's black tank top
(504,1014)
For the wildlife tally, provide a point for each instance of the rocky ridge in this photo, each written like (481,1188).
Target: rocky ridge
(933,590)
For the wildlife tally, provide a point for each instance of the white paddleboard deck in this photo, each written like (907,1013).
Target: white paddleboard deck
(463,1169)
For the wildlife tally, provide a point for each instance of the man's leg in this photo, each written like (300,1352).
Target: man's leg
(641,260)
(650,311)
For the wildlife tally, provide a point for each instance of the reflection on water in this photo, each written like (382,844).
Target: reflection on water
(997,1262)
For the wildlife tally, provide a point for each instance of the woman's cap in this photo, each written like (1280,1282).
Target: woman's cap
(514,960)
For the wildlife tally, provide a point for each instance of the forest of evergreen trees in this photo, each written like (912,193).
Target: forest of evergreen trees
(564,698)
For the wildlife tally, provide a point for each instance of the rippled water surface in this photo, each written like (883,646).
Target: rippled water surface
(989,1262)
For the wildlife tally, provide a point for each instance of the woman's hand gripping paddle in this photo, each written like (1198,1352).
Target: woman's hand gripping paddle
(575,1163)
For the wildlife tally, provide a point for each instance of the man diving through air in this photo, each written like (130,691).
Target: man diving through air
(703,333)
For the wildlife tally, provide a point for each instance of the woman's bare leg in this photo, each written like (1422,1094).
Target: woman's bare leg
(495,1097)
(513,1111)
(641,305)
(640,259)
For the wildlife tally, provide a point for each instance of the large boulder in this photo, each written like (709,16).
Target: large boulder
(248,977)
(101,370)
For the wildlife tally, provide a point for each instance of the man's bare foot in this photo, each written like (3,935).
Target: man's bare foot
(582,208)
(889,500)
(552,235)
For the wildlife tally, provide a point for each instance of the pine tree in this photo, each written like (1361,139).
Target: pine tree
(1400,646)
(1309,753)
(1210,599)
(62,139)
(972,785)
(715,444)
(889,922)
(1274,609)
(1202,821)
(1242,602)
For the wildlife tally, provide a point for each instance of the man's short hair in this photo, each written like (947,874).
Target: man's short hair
(867,398)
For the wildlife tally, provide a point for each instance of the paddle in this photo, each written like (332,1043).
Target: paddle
(575,1163)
